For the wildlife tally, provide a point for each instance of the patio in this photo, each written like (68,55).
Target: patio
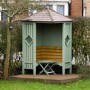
(48,79)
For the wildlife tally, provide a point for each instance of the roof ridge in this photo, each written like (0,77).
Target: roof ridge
(50,14)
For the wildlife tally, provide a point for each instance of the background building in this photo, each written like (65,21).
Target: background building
(61,6)
(76,8)
(73,8)
(87,8)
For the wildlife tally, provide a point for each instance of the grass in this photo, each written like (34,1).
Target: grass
(26,85)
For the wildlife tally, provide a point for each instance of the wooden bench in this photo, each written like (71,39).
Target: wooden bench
(53,53)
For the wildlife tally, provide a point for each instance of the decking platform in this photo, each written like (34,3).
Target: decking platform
(48,79)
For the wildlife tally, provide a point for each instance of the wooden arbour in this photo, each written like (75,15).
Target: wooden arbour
(47,35)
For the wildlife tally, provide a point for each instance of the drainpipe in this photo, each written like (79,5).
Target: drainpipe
(69,9)
(82,7)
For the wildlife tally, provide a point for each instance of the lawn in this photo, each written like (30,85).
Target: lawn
(26,85)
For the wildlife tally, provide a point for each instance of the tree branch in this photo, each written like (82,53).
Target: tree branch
(6,13)
(16,12)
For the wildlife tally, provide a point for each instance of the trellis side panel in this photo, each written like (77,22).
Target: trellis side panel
(29,46)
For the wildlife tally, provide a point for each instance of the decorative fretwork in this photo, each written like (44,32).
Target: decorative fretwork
(28,40)
(67,40)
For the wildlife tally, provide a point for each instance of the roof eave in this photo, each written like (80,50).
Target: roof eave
(46,21)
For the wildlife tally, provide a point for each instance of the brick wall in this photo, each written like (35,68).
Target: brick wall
(76,8)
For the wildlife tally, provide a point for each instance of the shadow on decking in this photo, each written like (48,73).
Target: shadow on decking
(56,68)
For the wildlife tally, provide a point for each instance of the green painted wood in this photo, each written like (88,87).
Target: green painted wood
(49,34)
(34,49)
(39,35)
(67,46)
(71,48)
(52,35)
(29,46)
(22,50)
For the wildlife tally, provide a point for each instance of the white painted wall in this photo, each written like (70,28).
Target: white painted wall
(66,7)
(54,4)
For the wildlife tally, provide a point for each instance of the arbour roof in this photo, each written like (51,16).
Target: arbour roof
(47,15)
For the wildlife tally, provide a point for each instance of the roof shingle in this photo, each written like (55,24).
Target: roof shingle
(47,15)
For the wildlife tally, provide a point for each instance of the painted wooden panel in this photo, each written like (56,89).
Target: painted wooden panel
(49,35)
(29,45)
(67,46)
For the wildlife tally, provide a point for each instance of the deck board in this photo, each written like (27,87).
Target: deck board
(49,79)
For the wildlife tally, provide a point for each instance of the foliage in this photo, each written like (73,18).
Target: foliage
(81,44)
(16,45)
(16,37)
(15,67)
(84,71)
(1,65)
(3,27)
(13,7)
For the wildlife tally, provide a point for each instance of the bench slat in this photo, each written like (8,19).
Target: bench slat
(49,53)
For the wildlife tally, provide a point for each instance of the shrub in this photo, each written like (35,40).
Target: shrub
(84,71)
(81,45)
(15,67)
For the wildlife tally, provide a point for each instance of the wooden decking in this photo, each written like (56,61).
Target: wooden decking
(48,79)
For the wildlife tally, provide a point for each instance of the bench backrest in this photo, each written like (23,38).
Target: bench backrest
(49,53)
